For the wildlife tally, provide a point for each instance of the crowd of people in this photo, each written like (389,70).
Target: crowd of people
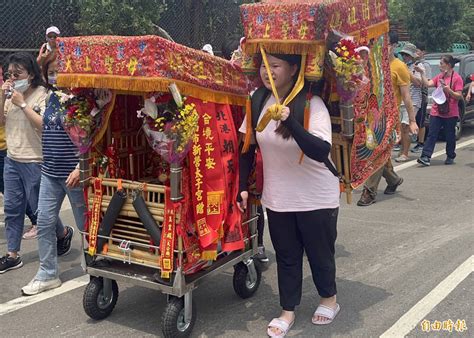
(40,165)
(411,79)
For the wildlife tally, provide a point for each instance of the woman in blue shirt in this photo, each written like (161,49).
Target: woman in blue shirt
(59,177)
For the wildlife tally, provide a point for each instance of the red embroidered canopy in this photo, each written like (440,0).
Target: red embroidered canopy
(303,27)
(147,64)
(291,26)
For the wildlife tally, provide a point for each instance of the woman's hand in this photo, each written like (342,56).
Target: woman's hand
(468,96)
(285,112)
(242,204)
(73,179)
(446,89)
(17,98)
(6,87)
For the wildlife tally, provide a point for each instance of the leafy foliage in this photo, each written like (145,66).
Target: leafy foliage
(110,17)
(438,23)
(190,22)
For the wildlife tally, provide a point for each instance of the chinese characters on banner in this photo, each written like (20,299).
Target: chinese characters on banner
(168,235)
(214,171)
(233,237)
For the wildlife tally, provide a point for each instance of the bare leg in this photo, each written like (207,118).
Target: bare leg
(405,140)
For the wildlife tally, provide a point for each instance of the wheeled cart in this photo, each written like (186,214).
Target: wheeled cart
(155,123)
(179,316)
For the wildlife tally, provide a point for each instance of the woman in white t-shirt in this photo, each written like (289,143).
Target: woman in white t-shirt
(301,198)
(22,104)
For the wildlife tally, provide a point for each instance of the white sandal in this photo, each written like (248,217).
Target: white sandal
(280,324)
(326,312)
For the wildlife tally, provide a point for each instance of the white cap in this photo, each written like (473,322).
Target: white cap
(208,48)
(53,29)
(362,48)
(438,95)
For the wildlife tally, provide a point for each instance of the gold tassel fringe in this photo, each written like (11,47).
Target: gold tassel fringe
(147,84)
(252,46)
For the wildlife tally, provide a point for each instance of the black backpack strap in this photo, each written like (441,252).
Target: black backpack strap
(333,169)
(258,101)
(300,105)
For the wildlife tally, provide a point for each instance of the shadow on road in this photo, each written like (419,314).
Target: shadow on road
(220,312)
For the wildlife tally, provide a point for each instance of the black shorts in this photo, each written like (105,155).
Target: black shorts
(421,115)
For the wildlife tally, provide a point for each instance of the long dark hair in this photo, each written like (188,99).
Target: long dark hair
(315,88)
(45,68)
(28,62)
(450,60)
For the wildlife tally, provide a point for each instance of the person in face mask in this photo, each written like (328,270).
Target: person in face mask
(22,104)
(59,177)
(49,70)
(31,233)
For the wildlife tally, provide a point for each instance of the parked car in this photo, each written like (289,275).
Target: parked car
(465,68)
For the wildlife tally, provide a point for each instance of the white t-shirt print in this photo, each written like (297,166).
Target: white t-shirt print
(287,185)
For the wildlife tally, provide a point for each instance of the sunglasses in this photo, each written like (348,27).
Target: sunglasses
(13,75)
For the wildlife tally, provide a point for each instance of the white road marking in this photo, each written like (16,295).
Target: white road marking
(21,302)
(436,154)
(410,319)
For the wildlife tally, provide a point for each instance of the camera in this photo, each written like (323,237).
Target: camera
(9,93)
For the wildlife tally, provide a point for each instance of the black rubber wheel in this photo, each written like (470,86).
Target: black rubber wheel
(93,301)
(243,286)
(172,321)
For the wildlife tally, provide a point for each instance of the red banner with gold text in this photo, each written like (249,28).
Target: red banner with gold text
(208,185)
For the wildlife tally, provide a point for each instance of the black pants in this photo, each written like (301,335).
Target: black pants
(312,231)
(449,125)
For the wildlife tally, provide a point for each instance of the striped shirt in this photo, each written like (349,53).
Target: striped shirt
(60,155)
(415,92)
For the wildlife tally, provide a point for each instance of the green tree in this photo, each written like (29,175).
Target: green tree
(112,17)
(190,22)
(438,23)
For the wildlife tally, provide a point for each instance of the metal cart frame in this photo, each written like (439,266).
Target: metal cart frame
(100,295)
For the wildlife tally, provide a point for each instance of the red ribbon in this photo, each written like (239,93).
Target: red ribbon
(168,236)
(95,221)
